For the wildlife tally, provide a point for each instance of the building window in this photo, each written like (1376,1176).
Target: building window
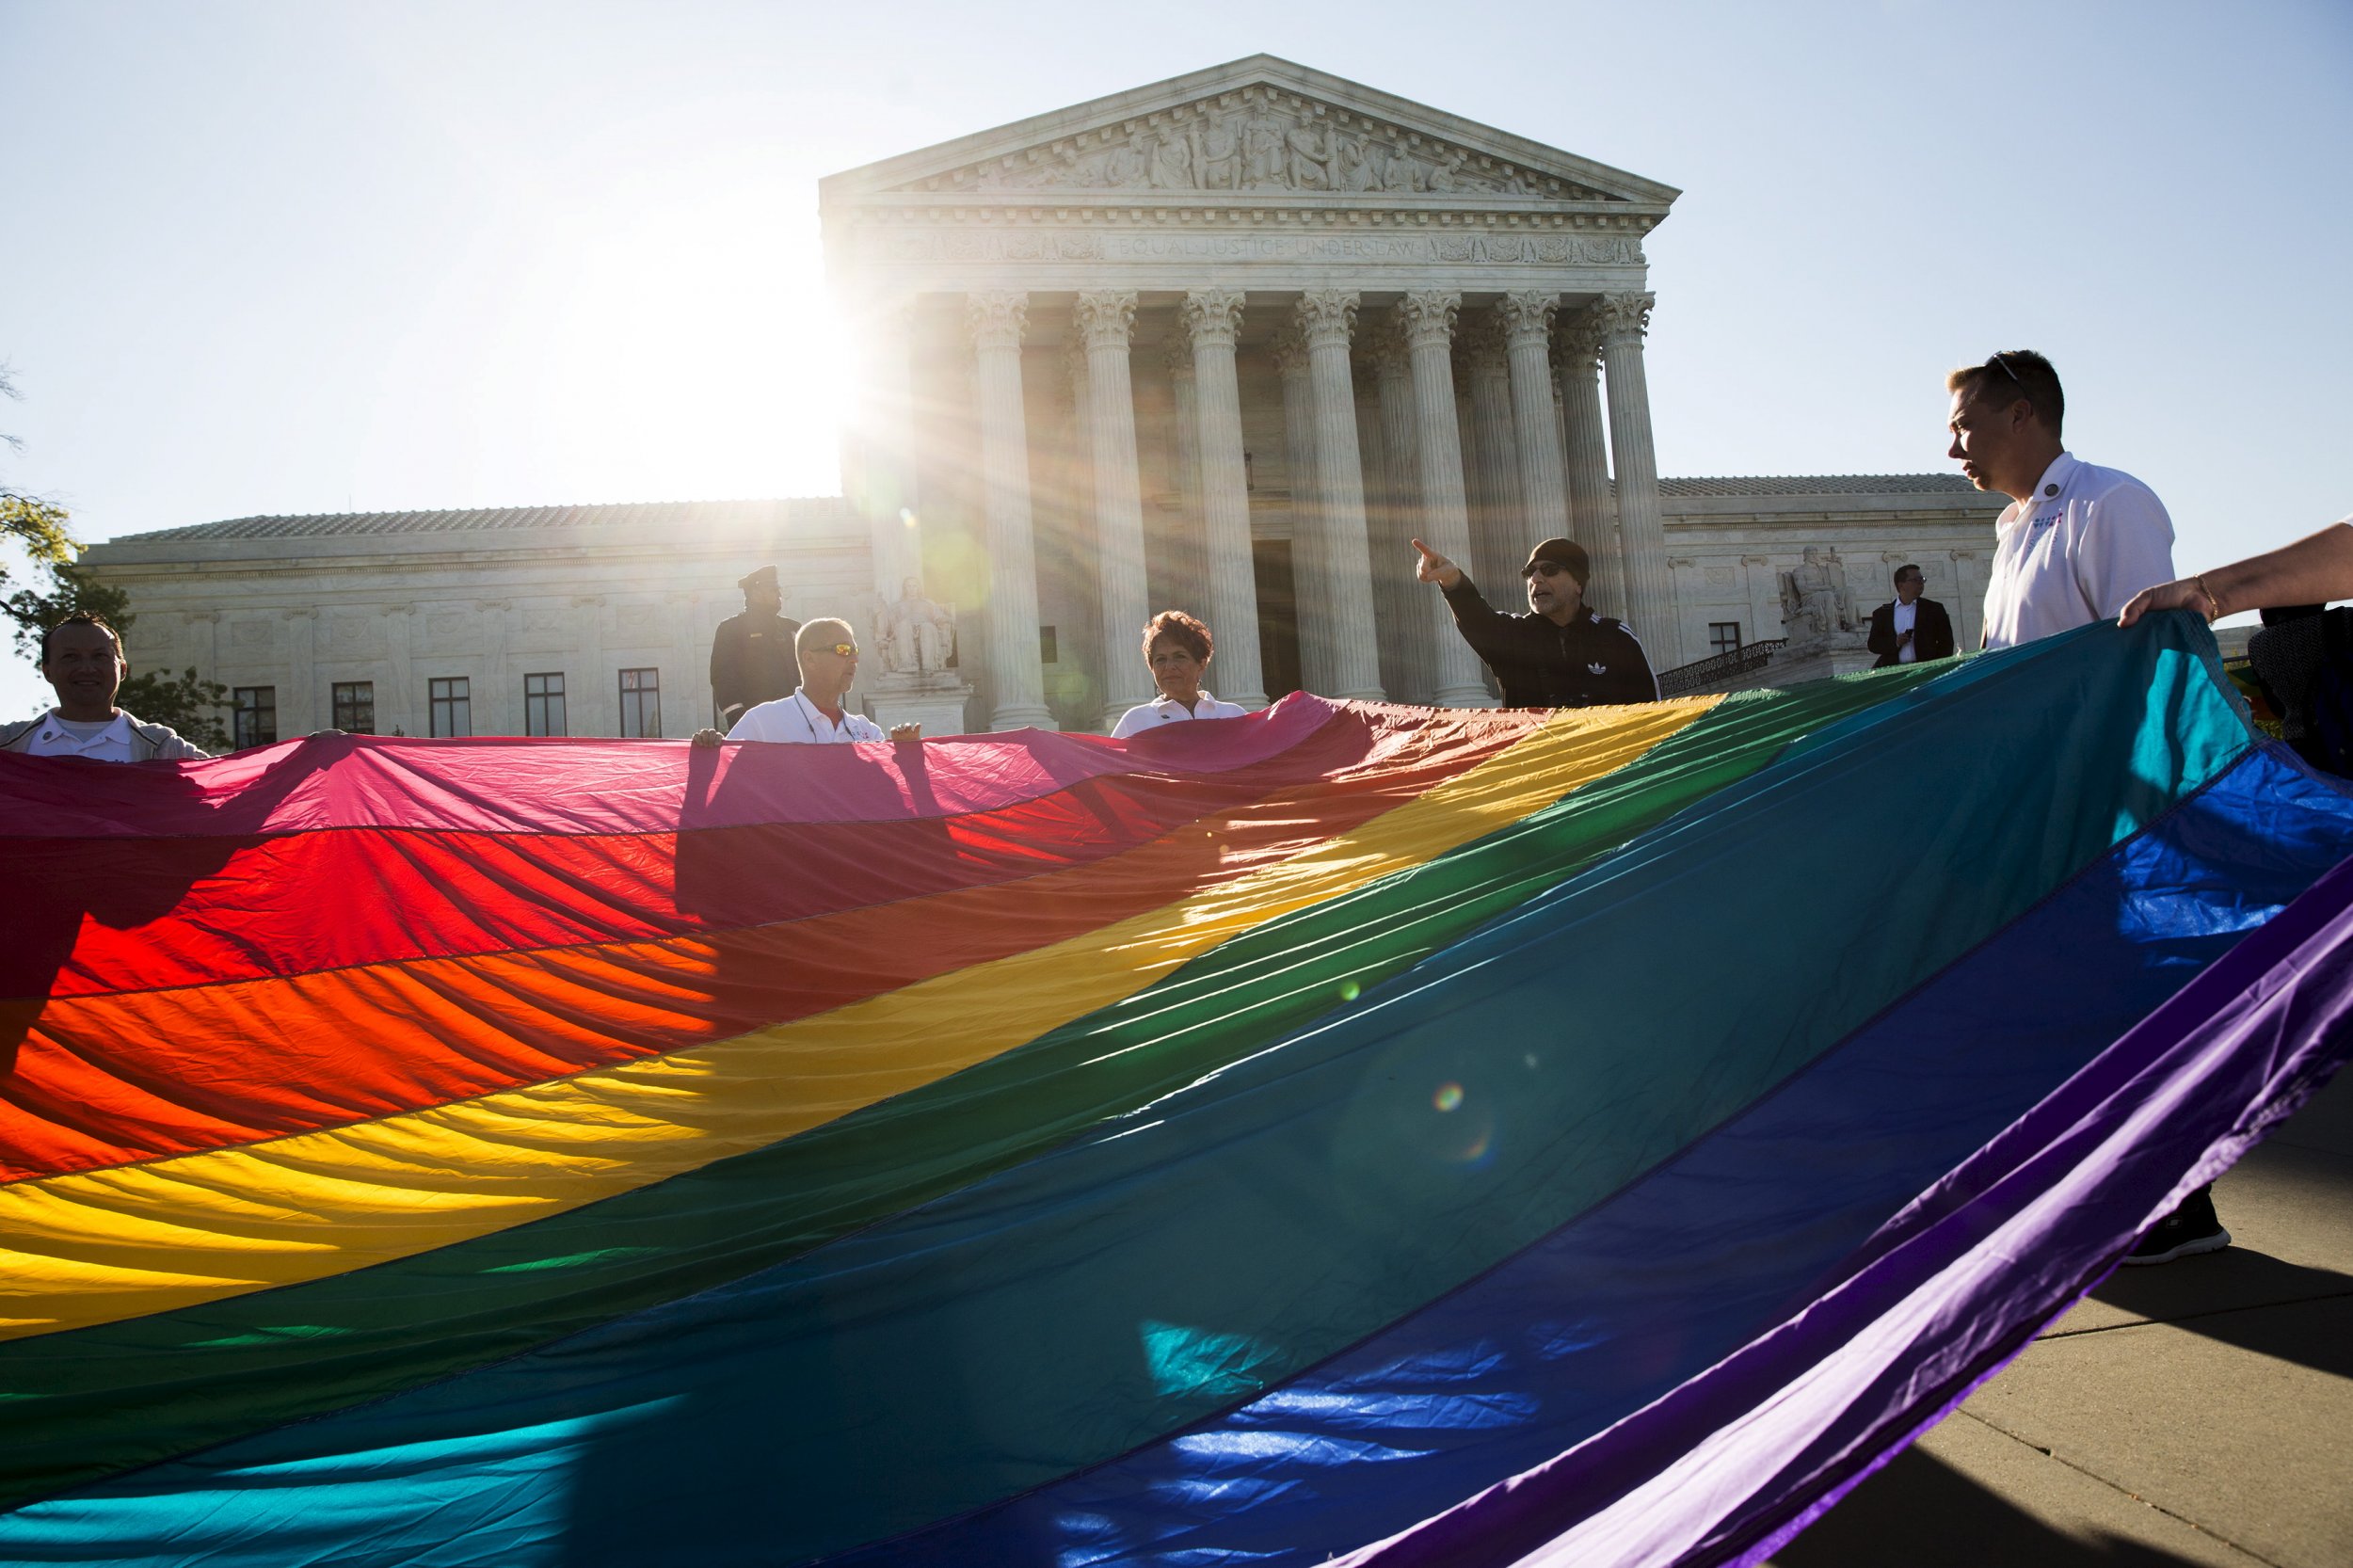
(641,705)
(453,707)
(355,707)
(1046,649)
(543,705)
(256,716)
(1724,635)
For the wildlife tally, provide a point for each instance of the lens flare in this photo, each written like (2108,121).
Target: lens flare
(1449,1097)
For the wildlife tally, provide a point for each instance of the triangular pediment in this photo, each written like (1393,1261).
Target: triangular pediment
(1257,129)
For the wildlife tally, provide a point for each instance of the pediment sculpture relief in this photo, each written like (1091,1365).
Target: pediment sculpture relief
(1258,142)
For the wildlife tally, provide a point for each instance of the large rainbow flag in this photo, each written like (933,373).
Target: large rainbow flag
(1350,1133)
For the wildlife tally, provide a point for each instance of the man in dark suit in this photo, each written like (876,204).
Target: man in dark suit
(1909,629)
(751,654)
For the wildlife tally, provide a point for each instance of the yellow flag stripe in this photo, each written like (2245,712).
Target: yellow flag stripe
(102,1246)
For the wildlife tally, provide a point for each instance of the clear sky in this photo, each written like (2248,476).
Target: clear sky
(273,258)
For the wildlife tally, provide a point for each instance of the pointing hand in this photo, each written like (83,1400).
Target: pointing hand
(1435,568)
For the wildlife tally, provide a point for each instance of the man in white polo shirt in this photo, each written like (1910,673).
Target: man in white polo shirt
(82,660)
(817,713)
(2075,546)
(2078,543)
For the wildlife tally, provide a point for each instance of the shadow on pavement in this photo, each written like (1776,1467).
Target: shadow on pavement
(2225,1297)
(1923,1513)
(2326,1123)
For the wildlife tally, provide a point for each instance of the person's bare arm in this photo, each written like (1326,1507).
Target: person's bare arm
(2313,571)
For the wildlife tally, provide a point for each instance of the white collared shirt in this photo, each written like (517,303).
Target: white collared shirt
(1151,715)
(114,744)
(1906,616)
(2074,552)
(796,721)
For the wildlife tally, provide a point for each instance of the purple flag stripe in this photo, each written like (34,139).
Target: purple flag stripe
(1730,1465)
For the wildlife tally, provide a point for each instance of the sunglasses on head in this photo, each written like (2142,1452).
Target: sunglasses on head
(2001,364)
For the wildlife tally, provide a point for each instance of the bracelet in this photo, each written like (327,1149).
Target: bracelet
(2214,605)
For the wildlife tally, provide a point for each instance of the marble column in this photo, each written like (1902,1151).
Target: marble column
(997,322)
(1062,508)
(1499,526)
(1528,340)
(1299,444)
(1213,320)
(1105,319)
(1641,525)
(1407,645)
(1428,323)
(1076,479)
(887,451)
(1327,318)
(1592,511)
(1187,573)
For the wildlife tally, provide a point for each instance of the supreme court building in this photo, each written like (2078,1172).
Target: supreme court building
(1224,343)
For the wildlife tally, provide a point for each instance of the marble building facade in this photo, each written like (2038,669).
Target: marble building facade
(1224,343)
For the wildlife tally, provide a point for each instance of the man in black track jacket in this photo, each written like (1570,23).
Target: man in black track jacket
(1560,654)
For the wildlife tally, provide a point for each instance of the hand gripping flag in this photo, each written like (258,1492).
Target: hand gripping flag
(1352,1133)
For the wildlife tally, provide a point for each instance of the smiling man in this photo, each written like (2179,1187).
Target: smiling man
(2076,542)
(1562,653)
(82,660)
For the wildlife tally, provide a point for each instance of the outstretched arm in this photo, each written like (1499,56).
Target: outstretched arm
(1481,625)
(1435,568)
(2313,571)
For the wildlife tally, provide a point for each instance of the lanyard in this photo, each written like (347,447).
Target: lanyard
(809,717)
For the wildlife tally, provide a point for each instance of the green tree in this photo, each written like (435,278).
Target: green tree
(31,524)
(58,588)
(69,592)
(185,701)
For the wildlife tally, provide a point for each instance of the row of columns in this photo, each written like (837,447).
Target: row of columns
(1541,443)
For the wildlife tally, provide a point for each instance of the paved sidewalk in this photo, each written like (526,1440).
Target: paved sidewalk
(2197,1412)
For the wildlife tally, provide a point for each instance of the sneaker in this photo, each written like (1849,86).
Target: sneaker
(2190,1230)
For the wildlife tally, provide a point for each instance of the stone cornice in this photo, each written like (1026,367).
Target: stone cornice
(1279,88)
(1247,210)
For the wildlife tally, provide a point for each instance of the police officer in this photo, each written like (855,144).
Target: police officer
(1561,654)
(751,654)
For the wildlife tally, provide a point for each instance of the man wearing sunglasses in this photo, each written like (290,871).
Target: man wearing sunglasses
(1910,627)
(2076,542)
(1562,653)
(818,711)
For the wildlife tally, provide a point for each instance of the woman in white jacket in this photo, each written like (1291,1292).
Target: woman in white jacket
(1177,648)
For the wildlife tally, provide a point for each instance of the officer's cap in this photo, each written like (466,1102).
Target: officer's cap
(764,578)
